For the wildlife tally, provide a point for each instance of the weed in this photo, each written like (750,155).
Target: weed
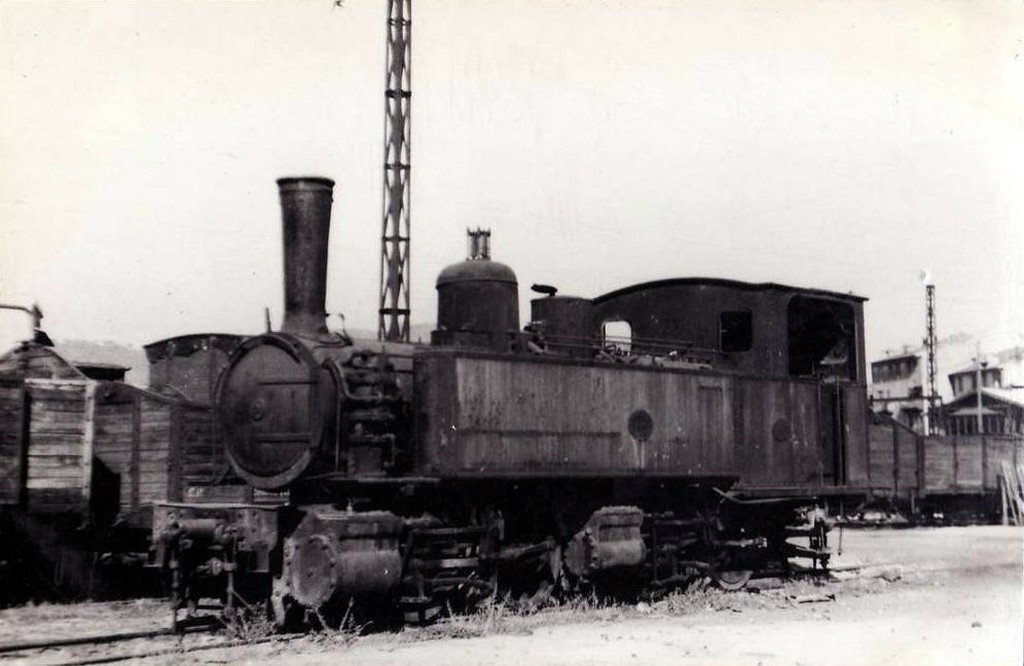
(250,625)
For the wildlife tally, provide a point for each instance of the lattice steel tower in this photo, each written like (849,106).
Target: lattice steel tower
(394,258)
(930,344)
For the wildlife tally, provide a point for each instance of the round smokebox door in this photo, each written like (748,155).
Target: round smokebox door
(270,409)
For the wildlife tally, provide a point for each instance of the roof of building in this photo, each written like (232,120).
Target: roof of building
(899,357)
(972,410)
(1001,359)
(972,367)
(1012,396)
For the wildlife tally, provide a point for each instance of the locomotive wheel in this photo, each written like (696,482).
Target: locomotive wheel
(731,580)
(422,615)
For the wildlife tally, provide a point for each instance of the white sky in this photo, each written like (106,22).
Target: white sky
(826,144)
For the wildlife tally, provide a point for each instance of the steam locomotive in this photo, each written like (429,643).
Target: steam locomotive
(702,442)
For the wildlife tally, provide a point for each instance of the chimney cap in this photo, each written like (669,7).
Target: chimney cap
(305,183)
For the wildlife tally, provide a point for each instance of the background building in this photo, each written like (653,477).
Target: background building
(988,395)
(899,386)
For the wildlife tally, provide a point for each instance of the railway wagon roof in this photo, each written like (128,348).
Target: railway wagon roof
(189,343)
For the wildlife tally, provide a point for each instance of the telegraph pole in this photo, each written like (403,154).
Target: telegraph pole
(393,323)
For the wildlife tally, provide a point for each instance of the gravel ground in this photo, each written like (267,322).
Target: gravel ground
(935,595)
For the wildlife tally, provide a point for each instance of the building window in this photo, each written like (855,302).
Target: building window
(736,331)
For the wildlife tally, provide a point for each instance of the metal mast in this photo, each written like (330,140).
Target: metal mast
(394,259)
(930,344)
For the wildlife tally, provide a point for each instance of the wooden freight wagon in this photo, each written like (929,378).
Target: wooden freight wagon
(12,400)
(101,449)
(147,448)
(83,455)
(940,474)
(893,459)
(967,465)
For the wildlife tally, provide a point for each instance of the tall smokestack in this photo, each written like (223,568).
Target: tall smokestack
(306,217)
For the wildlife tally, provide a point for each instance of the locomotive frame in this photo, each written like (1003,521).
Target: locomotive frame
(534,458)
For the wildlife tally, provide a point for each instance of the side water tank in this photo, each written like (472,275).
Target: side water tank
(477,305)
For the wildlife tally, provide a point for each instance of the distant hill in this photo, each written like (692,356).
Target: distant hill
(417,333)
(86,351)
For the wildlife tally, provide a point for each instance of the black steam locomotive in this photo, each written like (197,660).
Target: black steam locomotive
(700,441)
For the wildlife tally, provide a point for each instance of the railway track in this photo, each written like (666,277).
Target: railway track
(25,649)
(38,649)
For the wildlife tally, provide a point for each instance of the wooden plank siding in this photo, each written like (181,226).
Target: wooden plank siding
(894,458)
(202,456)
(100,448)
(56,477)
(908,444)
(133,442)
(967,463)
(969,458)
(882,450)
(12,435)
(938,463)
(999,449)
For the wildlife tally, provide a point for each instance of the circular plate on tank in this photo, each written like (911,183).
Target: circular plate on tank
(640,425)
(272,402)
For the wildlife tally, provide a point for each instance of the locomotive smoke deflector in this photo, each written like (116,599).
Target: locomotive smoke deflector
(306,222)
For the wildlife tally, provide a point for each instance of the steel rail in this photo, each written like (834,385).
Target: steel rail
(178,649)
(101,639)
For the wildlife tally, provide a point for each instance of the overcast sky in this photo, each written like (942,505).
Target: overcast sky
(823,144)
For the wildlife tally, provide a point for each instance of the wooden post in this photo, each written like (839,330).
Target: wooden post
(956,464)
(88,434)
(895,462)
(133,465)
(984,461)
(174,453)
(1002,495)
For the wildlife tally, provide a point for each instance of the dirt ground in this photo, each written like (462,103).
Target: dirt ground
(929,596)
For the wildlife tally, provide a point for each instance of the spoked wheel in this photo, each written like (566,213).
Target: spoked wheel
(536,595)
(731,579)
(422,614)
(534,582)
